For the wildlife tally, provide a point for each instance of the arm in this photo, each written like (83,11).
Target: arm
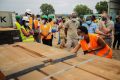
(66,28)
(25,33)
(75,50)
(99,32)
(101,44)
(100,25)
(50,32)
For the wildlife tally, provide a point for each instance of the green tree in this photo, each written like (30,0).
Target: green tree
(82,10)
(47,9)
(101,6)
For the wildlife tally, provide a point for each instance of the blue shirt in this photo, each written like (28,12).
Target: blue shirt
(92,28)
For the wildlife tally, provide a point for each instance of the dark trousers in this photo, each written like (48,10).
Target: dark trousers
(116,40)
(51,40)
(47,42)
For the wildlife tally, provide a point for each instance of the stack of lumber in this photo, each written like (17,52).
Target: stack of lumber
(33,61)
(9,35)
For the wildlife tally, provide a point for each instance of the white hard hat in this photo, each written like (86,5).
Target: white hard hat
(25,18)
(28,11)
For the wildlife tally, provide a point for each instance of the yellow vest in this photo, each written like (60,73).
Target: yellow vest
(26,39)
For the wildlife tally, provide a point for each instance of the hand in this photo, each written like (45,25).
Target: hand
(31,32)
(90,50)
(108,35)
(45,37)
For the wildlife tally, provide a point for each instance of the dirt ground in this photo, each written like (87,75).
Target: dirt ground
(116,54)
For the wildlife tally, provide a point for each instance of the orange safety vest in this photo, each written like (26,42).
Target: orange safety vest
(52,23)
(36,22)
(30,22)
(45,30)
(105,52)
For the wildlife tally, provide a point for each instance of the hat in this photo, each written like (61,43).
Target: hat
(17,17)
(28,11)
(45,16)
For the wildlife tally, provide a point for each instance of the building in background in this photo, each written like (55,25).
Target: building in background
(114,8)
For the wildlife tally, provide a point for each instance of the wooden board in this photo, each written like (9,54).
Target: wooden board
(22,56)
(103,67)
(72,74)
(43,50)
(35,75)
(13,60)
(6,29)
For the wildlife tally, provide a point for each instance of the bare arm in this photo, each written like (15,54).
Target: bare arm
(66,29)
(101,44)
(99,32)
(75,50)
(27,34)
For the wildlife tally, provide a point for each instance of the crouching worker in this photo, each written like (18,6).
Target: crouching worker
(92,44)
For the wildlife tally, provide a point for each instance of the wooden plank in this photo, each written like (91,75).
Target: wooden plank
(78,59)
(72,74)
(102,67)
(35,75)
(6,29)
(14,60)
(77,74)
(54,68)
(43,50)
(99,72)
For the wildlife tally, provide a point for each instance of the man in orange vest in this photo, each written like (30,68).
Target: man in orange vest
(35,28)
(51,22)
(45,31)
(92,44)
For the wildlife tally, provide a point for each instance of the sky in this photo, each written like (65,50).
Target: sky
(60,6)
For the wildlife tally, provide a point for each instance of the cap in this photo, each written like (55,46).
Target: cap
(28,11)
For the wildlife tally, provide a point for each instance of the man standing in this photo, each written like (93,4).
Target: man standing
(106,28)
(71,31)
(117,33)
(45,31)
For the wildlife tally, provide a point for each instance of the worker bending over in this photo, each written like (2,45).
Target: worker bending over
(92,44)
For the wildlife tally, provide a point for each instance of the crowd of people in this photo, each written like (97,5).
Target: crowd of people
(92,35)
